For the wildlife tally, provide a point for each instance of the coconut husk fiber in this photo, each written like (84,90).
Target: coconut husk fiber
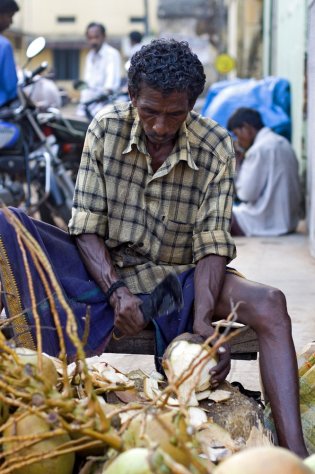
(237,415)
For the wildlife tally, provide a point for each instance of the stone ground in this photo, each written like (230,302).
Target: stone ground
(283,262)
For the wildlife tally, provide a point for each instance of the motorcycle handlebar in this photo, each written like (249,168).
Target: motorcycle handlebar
(42,67)
(100,98)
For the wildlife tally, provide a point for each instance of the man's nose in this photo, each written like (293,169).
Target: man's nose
(160,126)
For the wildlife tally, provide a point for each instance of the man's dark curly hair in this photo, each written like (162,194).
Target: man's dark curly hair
(167,65)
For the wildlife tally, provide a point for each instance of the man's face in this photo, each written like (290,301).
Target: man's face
(95,38)
(6,19)
(161,115)
(245,136)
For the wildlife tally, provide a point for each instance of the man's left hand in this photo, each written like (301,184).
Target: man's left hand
(221,370)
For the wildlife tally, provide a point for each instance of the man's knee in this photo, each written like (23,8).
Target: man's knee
(272,310)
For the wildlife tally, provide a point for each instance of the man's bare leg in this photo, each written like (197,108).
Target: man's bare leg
(264,309)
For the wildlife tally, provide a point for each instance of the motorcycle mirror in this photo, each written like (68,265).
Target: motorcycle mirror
(35,47)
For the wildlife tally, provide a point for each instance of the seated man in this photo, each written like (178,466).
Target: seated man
(153,197)
(267,183)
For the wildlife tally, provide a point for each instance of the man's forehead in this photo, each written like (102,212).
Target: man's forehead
(147,92)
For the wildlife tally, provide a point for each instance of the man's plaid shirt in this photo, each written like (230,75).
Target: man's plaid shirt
(153,223)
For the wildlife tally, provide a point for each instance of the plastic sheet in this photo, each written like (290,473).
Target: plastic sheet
(270,96)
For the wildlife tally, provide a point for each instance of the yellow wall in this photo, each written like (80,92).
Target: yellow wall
(39,17)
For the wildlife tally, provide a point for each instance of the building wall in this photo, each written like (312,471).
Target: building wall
(285,46)
(42,18)
(310,198)
(244,36)
(39,17)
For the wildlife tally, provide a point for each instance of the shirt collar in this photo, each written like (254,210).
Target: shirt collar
(181,149)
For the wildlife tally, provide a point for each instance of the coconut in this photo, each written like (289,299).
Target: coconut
(164,429)
(310,462)
(261,460)
(99,447)
(4,412)
(133,461)
(32,424)
(49,371)
(184,351)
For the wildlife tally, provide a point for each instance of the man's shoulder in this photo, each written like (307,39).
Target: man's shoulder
(5,43)
(267,139)
(113,117)
(209,135)
(108,49)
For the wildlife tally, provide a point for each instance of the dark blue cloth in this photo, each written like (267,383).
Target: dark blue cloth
(80,291)
(8,76)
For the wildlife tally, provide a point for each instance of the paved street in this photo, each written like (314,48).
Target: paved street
(283,262)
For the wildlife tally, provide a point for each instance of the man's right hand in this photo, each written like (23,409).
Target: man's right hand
(129,318)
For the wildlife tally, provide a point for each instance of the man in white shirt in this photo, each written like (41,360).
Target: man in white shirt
(267,183)
(135,39)
(102,72)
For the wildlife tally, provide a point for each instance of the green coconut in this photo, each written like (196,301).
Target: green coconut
(133,461)
(262,460)
(49,371)
(157,429)
(32,424)
(4,412)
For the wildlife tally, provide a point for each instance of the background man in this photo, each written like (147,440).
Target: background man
(267,182)
(102,69)
(153,197)
(8,75)
(135,38)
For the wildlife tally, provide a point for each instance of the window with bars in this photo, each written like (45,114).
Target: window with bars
(66,64)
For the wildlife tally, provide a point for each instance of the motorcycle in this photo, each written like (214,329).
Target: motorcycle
(70,131)
(70,135)
(100,100)
(32,175)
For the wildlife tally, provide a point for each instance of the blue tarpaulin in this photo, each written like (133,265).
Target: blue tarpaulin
(270,96)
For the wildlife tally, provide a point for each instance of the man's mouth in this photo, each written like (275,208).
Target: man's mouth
(159,138)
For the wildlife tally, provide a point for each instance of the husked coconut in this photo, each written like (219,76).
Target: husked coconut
(184,352)
(271,460)
(310,462)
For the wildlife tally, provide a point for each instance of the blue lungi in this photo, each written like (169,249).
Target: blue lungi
(80,291)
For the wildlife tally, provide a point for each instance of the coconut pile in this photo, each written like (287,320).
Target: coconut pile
(94,419)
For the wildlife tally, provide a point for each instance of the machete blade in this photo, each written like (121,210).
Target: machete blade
(164,299)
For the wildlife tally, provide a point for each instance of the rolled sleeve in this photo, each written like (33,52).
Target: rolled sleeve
(86,222)
(212,229)
(217,242)
(89,212)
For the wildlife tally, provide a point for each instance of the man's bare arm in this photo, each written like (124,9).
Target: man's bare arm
(209,278)
(96,257)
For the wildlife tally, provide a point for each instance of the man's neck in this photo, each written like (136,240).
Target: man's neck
(159,153)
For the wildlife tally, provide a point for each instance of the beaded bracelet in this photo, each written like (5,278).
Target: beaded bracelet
(117,284)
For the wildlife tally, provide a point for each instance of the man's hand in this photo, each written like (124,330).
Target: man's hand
(128,315)
(223,367)
(221,370)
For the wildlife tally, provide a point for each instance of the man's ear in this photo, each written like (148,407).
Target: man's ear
(192,105)
(132,98)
